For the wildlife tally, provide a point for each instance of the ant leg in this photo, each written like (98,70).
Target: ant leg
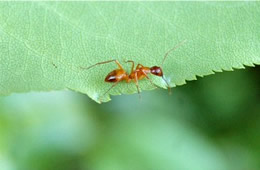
(150,79)
(137,85)
(116,83)
(133,64)
(104,62)
(139,66)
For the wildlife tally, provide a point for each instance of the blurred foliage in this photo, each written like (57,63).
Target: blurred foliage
(209,124)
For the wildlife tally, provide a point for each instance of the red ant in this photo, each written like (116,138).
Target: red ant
(139,73)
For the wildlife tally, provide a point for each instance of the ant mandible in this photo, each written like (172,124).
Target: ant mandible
(139,73)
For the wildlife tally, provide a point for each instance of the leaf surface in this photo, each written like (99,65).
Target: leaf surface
(44,44)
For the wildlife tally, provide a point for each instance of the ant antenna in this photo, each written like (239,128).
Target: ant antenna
(174,48)
(165,56)
(168,85)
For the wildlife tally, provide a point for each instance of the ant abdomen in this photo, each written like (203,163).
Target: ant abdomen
(110,79)
(115,76)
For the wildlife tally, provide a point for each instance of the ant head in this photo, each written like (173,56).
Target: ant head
(155,70)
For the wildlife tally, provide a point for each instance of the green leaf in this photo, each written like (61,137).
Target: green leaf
(44,44)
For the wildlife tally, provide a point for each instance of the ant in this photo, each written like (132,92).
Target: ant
(139,73)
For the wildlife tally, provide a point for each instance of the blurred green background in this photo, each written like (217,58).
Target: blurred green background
(209,124)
